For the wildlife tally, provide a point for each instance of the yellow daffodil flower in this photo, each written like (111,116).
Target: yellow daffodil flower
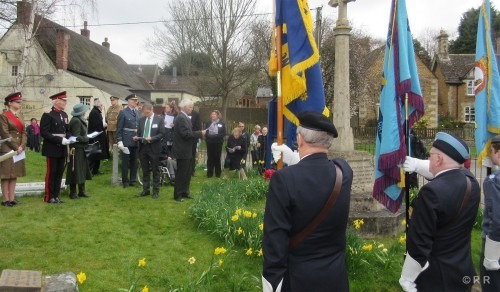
(403,222)
(235,218)
(81,277)
(142,262)
(358,223)
(367,247)
(240,230)
(145,289)
(191,260)
(402,239)
(220,262)
(247,214)
(254,215)
(384,250)
(219,250)
(238,212)
(261,226)
(249,252)
(259,254)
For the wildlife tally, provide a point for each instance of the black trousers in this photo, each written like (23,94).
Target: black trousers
(182,178)
(53,177)
(193,161)
(149,162)
(129,166)
(94,166)
(214,152)
(490,280)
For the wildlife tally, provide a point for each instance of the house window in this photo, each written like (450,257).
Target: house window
(15,71)
(85,99)
(469,114)
(470,87)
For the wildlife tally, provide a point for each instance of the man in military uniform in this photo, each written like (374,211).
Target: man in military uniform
(441,220)
(126,129)
(112,119)
(298,255)
(54,131)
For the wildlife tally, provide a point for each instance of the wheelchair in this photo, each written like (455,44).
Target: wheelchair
(165,176)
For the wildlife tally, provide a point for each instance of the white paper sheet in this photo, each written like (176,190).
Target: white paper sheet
(19,157)
(94,134)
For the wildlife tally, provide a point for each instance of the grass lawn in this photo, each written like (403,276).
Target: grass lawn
(106,235)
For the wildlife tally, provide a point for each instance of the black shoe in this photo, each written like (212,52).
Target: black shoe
(97,173)
(74,196)
(52,201)
(16,202)
(59,201)
(179,199)
(7,204)
(155,196)
(188,197)
(144,194)
(83,195)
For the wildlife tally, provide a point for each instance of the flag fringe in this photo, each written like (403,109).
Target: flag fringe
(378,193)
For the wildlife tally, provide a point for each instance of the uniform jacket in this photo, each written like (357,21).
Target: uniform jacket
(219,137)
(296,195)
(96,125)
(491,216)
(157,132)
(431,238)
(127,121)
(112,117)
(9,129)
(53,124)
(184,137)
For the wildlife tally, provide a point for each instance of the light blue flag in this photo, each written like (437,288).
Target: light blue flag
(400,78)
(486,86)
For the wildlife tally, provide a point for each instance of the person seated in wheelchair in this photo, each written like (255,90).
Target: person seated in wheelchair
(167,160)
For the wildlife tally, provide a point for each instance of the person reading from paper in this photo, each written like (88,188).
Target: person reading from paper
(299,256)
(441,220)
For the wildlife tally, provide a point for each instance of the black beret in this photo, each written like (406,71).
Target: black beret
(495,139)
(132,96)
(452,146)
(317,121)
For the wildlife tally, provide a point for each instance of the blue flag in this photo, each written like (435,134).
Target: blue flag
(301,78)
(486,86)
(400,79)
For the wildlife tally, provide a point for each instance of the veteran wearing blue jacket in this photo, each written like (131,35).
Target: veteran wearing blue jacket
(126,130)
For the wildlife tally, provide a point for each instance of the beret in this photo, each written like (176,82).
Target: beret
(60,95)
(452,146)
(317,121)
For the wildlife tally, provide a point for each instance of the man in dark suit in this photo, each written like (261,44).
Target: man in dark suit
(184,137)
(54,131)
(149,134)
(441,220)
(297,194)
(126,129)
(96,124)
(195,126)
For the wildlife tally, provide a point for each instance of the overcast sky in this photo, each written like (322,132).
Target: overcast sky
(370,16)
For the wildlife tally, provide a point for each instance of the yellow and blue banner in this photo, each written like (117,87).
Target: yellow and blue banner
(301,78)
(400,79)
(486,86)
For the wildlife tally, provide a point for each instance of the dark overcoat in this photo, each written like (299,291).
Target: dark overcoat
(53,127)
(236,156)
(9,169)
(435,236)
(296,195)
(78,167)
(96,125)
(184,137)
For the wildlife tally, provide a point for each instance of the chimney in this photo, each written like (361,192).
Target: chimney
(174,75)
(62,48)
(105,43)
(443,46)
(85,32)
(23,12)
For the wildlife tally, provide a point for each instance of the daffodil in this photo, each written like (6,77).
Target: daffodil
(255,162)
(367,247)
(238,211)
(254,215)
(142,262)
(380,245)
(402,239)
(235,218)
(81,277)
(145,289)
(261,226)
(259,254)
(249,252)
(240,230)
(220,262)
(247,214)
(191,260)
(219,250)
(403,222)
(358,223)
(384,250)
(261,161)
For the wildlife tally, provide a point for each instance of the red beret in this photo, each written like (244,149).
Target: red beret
(60,95)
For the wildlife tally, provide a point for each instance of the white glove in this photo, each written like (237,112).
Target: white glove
(417,165)
(65,141)
(120,145)
(491,255)
(410,272)
(289,157)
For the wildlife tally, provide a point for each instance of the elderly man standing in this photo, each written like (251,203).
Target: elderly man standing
(96,124)
(184,137)
(307,210)
(126,130)
(441,220)
(112,119)
(54,131)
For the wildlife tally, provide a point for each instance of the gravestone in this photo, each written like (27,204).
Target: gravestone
(34,188)
(65,282)
(20,281)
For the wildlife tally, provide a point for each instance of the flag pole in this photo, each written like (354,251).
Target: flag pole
(407,177)
(279,102)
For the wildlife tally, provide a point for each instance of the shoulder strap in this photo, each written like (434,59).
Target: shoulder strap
(464,203)
(299,237)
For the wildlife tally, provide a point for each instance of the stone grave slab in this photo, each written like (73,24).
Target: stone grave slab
(20,281)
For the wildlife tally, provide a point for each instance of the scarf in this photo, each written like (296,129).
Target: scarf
(36,128)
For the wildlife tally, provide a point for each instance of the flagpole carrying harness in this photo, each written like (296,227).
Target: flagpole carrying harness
(299,237)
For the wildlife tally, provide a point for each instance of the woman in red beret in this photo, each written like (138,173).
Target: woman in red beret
(12,126)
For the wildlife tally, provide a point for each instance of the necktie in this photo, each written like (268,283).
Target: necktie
(147,128)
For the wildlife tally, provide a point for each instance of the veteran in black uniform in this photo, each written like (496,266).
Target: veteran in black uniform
(78,167)
(297,195)
(441,220)
(126,130)
(54,131)
(151,131)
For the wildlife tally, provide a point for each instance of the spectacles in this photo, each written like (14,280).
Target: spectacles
(430,154)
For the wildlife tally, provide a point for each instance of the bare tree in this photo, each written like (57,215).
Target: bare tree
(428,40)
(218,28)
